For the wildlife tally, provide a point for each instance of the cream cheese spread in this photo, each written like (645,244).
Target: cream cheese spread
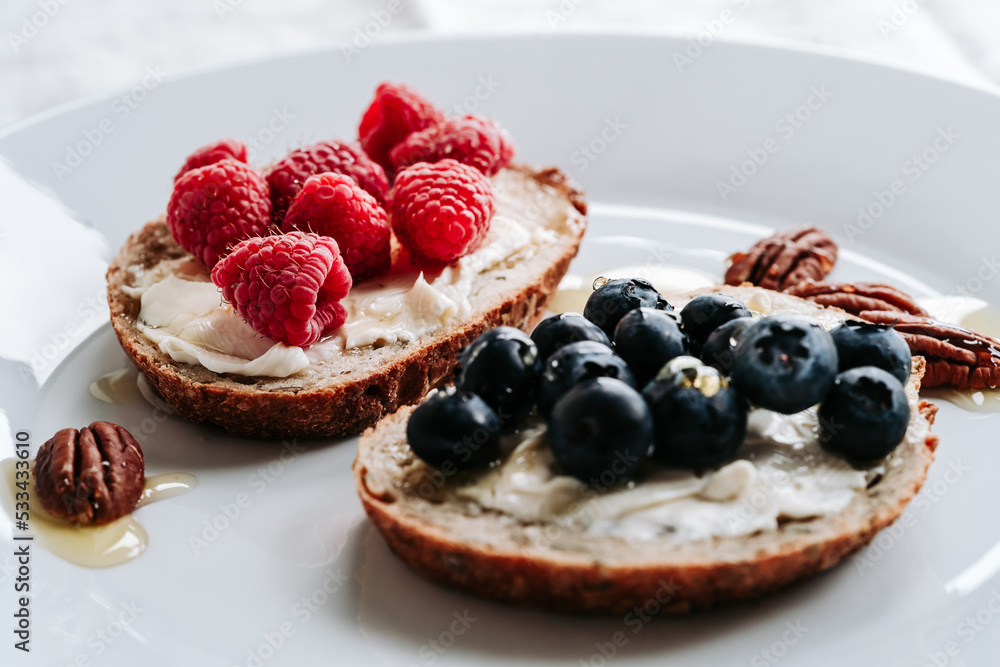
(182,311)
(412,302)
(780,473)
(183,314)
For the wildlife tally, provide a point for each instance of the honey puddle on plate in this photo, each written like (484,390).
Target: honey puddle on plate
(126,385)
(971,400)
(90,546)
(114,387)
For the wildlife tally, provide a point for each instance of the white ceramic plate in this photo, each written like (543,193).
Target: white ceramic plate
(299,576)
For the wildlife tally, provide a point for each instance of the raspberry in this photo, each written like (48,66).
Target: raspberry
(395,113)
(215,206)
(288,174)
(441,211)
(473,140)
(227,149)
(334,205)
(287,287)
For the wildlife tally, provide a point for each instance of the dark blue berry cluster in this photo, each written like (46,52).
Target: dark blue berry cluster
(632,379)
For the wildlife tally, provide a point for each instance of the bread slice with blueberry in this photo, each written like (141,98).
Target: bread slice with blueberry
(431,518)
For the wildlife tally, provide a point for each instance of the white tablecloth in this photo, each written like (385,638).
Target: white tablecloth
(60,50)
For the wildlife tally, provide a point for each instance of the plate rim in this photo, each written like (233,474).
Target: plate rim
(422,37)
(75,105)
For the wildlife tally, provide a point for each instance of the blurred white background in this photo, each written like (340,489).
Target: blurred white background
(56,51)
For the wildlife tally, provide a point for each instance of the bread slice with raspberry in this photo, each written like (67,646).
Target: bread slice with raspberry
(451,539)
(350,392)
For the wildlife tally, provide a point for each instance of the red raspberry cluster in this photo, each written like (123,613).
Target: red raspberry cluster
(286,245)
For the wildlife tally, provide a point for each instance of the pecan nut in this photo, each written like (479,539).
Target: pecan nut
(956,357)
(784,260)
(94,475)
(856,298)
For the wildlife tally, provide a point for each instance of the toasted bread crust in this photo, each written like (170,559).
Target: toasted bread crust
(332,406)
(680,578)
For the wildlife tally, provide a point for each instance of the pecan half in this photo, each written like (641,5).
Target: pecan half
(956,357)
(856,298)
(784,260)
(92,476)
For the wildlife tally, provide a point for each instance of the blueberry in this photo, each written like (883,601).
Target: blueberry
(454,430)
(865,414)
(784,363)
(864,344)
(718,350)
(699,420)
(574,363)
(502,366)
(704,314)
(648,338)
(613,299)
(558,330)
(601,431)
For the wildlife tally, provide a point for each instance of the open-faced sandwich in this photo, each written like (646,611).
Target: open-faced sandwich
(314,296)
(714,448)
(725,449)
